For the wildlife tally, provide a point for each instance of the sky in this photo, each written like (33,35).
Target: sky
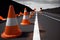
(45,4)
(43,1)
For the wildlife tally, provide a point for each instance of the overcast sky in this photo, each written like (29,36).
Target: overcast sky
(45,4)
(43,1)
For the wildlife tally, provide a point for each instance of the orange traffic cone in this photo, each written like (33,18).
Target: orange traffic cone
(20,14)
(25,20)
(11,30)
(1,18)
(31,14)
(16,15)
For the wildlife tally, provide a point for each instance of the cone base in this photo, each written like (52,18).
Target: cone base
(11,32)
(10,36)
(25,22)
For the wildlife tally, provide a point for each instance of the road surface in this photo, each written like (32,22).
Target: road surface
(49,27)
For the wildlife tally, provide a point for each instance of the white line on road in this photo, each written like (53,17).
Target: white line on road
(51,17)
(36,34)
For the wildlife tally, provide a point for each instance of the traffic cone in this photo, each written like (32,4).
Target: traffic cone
(31,14)
(11,30)
(16,15)
(41,10)
(20,14)
(25,20)
(1,18)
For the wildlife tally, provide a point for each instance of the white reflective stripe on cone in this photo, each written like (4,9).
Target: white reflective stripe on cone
(11,22)
(36,34)
(25,17)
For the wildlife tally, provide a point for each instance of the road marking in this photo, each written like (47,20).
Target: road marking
(51,17)
(36,34)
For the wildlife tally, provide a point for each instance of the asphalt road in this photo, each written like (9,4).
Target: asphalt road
(51,25)
(49,28)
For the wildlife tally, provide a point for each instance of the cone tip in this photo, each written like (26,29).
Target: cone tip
(11,12)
